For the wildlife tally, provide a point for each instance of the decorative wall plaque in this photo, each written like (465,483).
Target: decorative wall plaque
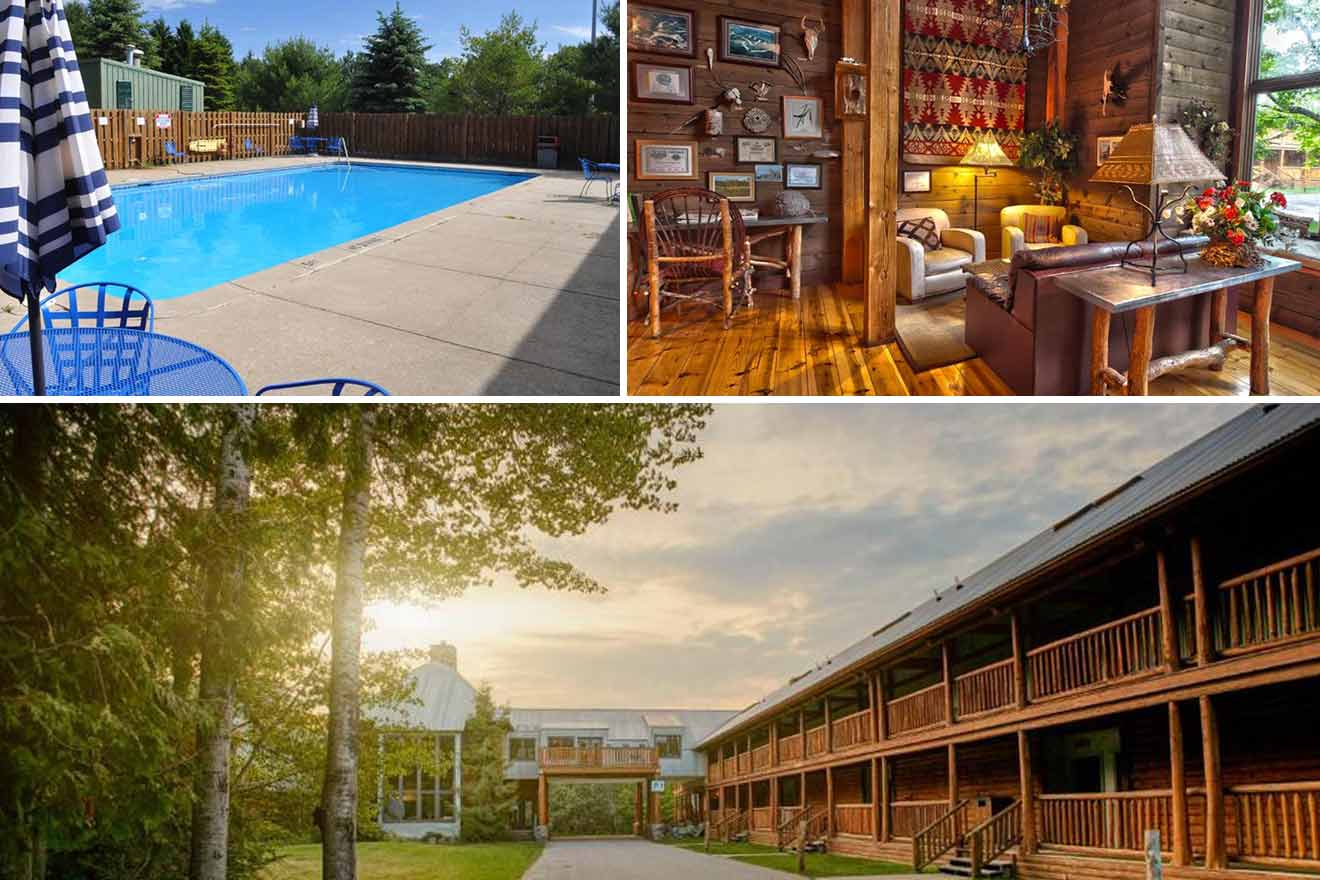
(756,120)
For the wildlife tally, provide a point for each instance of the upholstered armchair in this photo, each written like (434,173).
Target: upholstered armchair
(1012,224)
(923,272)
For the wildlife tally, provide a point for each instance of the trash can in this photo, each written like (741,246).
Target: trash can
(547,151)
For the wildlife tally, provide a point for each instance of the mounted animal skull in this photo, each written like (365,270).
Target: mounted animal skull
(811,36)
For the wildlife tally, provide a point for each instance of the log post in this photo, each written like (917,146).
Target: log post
(884,799)
(947,666)
(829,729)
(1182,838)
(1028,784)
(1216,855)
(884,88)
(871,702)
(1260,336)
(1019,660)
(543,802)
(637,809)
(829,802)
(882,701)
(875,798)
(1168,622)
(802,844)
(1202,603)
(953,776)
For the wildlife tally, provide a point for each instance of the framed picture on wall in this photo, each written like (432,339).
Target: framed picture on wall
(749,42)
(662,83)
(802,118)
(755,149)
(1104,146)
(666,160)
(662,29)
(916,181)
(802,175)
(736,186)
(770,173)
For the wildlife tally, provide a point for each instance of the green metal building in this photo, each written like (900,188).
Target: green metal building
(114,85)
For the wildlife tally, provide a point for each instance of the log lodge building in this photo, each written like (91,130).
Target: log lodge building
(1148,663)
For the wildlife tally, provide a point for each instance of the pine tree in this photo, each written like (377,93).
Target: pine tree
(75,14)
(161,45)
(182,60)
(488,800)
(213,64)
(389,79)
(113,26)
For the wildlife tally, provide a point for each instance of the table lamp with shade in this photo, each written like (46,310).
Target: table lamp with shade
(1153,154)
(986,153)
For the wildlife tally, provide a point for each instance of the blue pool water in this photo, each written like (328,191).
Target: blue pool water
(187,235)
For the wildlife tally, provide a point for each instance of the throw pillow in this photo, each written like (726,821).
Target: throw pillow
(1041,229)
(923,230)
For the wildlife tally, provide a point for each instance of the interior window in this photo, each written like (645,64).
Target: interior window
(669,745)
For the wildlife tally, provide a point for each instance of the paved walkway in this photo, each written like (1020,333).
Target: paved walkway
(633,859)
(515,292)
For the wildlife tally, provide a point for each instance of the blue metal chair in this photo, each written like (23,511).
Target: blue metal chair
(173,153)
(335,146)
(135,310)
(370,389)
(296,144)
(252,148)
(592,172)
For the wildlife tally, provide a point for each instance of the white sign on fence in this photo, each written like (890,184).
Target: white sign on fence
(141,120)
(162,120)
(103,120)
(657,785)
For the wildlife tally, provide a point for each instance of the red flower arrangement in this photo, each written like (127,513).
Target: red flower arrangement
(1237,218)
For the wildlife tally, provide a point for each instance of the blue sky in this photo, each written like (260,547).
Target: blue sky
(341,24)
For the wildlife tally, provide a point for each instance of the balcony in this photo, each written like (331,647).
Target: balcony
(605,759)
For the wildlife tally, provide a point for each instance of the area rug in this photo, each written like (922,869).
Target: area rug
(930,332)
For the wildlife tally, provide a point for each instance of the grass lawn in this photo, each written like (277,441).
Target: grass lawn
(407,860)
(826,865)
(719,848)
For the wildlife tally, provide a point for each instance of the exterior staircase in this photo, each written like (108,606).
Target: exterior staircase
(959,864)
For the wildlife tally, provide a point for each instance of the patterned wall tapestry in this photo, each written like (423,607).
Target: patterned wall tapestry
(957,83)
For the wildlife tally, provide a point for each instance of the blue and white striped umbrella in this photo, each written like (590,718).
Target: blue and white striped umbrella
(312,119)
(55,203)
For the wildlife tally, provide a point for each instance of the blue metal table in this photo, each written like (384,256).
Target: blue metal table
(116,361)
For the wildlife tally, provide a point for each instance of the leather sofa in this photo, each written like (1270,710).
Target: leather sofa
(923,273)
(1036,336)
(1014,239)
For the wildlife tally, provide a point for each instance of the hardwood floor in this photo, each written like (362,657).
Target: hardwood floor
(812,347)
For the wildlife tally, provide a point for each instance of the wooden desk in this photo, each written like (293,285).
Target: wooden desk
(791,230)
(1114,290)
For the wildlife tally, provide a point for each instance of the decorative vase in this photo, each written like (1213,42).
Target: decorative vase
(1225,254)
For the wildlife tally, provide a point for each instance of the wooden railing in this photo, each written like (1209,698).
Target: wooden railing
(603,758)
(984,690)
(1125,647)
(817,821)
(940,836)
(744,763)
(761,757)
(852,730)
(729,768)
(1270,604)
(995,836)
(854,819)
(817,741)
(1110,820)
(790,748)
(1276,821)
(922,708)
(713,772)
(731,822)
(762,819)
(906,818)
(786,827)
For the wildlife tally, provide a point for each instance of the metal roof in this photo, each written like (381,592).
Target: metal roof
(1246,436)
(447,700)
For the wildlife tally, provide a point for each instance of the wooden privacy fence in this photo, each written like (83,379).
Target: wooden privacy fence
(509,140)
(503,140)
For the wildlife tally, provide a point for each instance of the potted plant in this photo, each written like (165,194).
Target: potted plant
(1238,219)
(1052,151)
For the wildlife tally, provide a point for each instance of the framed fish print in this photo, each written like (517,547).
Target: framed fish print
(755,149)
(802,175)
(770,173)
(662,83)
(736,186)
(749,42)
(666,160)
(802,118)
(663,30)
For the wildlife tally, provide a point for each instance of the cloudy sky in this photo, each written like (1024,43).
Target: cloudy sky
(803,528)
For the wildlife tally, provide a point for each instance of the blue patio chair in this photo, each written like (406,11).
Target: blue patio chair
(135,310)
(174,154)
(369,389)
(252,148)
(592,172)
(335,146)
(296,144)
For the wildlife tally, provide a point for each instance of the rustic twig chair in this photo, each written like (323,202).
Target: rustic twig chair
(696,249)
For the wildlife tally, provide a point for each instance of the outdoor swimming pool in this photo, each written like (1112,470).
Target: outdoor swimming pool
(186,235)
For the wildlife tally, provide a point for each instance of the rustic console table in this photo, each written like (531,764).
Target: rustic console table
(1113,290)
(766,228)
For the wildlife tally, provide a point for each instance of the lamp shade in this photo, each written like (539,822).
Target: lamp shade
(986,152)
(1153,153)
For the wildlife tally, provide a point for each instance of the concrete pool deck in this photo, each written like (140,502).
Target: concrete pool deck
(511,293)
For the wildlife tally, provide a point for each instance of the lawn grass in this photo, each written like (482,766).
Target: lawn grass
(826,865)
(719,848)
(409,860)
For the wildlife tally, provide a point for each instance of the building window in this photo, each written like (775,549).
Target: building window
(522,748)
(420,770)
(185,97)
(123,95)
(560,742)
(669,745)
(590,742)
(1281,120)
